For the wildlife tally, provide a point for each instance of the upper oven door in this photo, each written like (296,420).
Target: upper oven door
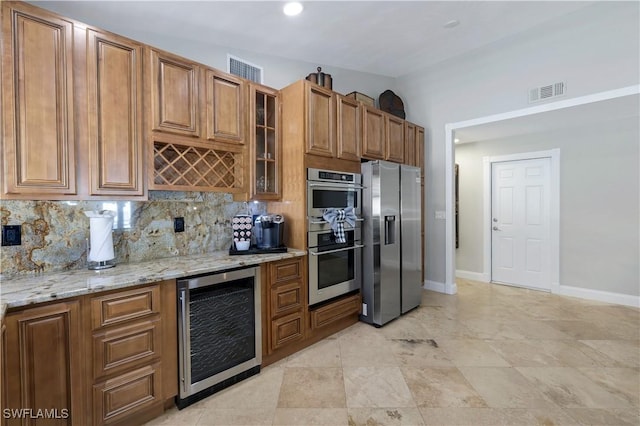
(324,195)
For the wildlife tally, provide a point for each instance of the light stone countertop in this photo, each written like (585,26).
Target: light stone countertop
(30,289)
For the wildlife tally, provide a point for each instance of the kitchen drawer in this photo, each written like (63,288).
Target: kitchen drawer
(124,347)
(286,270)
(286,330)
(123,306)
(124,395)
(335,311)
(286,297)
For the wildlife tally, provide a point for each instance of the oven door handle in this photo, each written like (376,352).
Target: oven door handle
(353,247)
(324,222)
(335,186)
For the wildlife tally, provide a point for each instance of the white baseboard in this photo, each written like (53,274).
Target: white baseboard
(597,295)
(440,287)
(475,276)
(435,286)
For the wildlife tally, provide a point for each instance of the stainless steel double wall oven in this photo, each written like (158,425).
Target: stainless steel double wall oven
(334,267)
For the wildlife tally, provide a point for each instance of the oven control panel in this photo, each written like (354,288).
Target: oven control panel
(333,176)
(342,177)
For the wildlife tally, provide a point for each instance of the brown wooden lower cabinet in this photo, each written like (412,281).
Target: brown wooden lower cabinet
(133,346)
(285,297)
(45,366)
(333,312)
(103,359)
(3,376)
(287,329)
(111,358)
(117,398)
(116,349)
(289,324)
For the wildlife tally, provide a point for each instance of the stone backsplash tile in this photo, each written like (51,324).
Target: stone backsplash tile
(54,233)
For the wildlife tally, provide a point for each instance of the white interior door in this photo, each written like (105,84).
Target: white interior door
(520,223)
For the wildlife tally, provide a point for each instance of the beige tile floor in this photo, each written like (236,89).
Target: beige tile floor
(490,355)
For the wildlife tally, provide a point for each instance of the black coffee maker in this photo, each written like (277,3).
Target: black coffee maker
(269,231)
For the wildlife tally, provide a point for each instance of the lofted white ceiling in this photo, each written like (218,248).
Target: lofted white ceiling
(390,38)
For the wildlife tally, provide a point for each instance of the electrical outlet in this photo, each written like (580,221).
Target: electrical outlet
(11,235)
(178,224)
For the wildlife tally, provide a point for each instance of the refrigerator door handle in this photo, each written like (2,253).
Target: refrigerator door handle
(389,230)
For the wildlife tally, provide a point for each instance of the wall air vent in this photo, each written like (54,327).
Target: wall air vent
(541,93)
(244,69)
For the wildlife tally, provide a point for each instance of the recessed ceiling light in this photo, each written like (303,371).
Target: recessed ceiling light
(456,140)
(452,23)
(292,8)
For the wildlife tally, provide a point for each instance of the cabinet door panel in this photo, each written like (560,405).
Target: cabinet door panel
(174,95)
(420,148)
(114,79)
(320,119)
(3,374)
(225,107)
(44,360)
(335,311)
(37,102)
(409,144)
(265,148)
(286,297)
(349,124)
(123,306)
(118,348)
(286,270)
(373,133)
(395,139)
(286,329)
(124,395)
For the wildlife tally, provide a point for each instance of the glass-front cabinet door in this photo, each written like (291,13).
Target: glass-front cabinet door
(265,148)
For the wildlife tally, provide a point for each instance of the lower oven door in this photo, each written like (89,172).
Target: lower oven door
(334,268)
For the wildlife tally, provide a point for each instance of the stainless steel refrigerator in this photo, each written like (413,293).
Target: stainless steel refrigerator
(391,276)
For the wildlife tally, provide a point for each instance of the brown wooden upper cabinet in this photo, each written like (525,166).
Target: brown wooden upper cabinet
(175,100)
(349,128)
(225,107)
(420,148)
(37,102)
(265,157)
(114,89)
(374,133)
(409,143)
(320,120)
(395,139)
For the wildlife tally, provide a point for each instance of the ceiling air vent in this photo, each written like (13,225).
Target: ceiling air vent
(244,69)
(541,93)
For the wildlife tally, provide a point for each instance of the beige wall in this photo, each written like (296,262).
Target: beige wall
(599,202)
(594,49)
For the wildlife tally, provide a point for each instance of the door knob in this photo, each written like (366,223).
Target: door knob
(495,228)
